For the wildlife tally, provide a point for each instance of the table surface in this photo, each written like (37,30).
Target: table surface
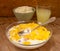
(52,45)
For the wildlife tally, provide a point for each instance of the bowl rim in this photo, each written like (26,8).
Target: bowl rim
(22,6)
(7,29)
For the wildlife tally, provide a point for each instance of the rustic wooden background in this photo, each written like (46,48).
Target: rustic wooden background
(7,17)
(6,6)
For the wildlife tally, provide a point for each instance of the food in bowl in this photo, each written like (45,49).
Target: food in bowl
(24,9)
(30,38)
(24,13)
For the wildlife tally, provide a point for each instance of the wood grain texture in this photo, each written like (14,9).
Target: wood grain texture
(6,6)
(52,45)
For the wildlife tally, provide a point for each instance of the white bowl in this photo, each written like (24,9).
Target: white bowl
(24,16)
(27,46)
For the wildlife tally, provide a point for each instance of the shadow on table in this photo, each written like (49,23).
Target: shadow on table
(46,47)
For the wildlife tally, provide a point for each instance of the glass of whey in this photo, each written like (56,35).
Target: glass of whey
(43,13)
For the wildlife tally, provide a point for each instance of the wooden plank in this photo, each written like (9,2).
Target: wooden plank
(6,6)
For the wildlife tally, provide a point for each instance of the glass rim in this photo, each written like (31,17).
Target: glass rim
(43,6)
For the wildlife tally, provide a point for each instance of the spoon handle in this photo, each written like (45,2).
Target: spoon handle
(52,19)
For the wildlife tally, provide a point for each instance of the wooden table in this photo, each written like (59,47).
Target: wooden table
(52,45)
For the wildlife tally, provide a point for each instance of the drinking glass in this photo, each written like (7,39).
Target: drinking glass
(43,13)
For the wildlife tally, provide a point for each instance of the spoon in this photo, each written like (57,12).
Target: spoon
(52,19)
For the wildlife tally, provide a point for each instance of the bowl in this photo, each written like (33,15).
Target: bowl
(24,13)
(27,46)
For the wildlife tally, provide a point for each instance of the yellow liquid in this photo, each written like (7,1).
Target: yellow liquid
(43,15)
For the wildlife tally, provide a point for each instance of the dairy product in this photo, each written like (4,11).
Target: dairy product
(37,36)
